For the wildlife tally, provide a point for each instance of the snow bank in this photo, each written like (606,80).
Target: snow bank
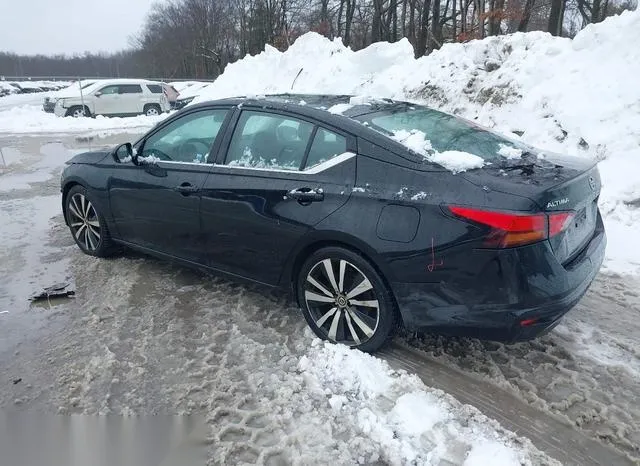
(412,423)
(573,96)
(32,119)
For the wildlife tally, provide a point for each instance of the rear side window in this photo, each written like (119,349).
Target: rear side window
(326,145)
(155,88)
(444,132)
(130,89)
(268,140)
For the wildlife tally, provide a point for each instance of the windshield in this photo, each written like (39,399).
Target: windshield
(445,132)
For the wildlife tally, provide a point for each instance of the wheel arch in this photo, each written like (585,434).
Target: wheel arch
(152,104)
(336,239)
(65,192)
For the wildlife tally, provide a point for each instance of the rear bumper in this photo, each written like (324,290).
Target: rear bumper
(535,298)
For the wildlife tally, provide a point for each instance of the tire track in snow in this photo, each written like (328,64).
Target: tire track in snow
(550,434)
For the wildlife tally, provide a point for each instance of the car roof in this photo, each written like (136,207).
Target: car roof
(319,107)
(353,106)
(126,81)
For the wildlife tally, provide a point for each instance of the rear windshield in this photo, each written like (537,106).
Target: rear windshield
(445,132)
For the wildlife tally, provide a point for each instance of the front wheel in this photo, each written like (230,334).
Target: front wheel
(78,111)
(345,300)
(87,225)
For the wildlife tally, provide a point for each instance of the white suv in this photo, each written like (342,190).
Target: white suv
(115,97)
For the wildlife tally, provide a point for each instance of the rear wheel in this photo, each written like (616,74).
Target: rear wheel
(345,300)
(87,225)
(152,110)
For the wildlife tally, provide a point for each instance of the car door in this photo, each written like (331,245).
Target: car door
(106,100)
(276,177)
(131,101)
(157,204)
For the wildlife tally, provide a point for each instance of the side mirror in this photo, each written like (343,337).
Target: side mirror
(124,153)
(98,94)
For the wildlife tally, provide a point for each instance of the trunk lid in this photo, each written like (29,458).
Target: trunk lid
(555,183)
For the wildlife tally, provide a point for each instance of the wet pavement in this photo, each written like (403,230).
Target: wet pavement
(145,336)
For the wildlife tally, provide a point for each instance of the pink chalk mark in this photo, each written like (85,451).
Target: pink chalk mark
(431,267)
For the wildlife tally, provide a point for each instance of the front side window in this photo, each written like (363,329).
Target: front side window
(130,89)
(187,139)
(268,140)
(109,90)
(326,145)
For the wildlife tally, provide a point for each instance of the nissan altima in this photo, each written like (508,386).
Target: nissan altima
(320,195)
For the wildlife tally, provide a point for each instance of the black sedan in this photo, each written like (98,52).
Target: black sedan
(316,195)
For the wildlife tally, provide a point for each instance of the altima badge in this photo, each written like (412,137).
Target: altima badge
(558,202)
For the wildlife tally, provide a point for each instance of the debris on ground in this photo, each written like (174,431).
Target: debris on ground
(58,290)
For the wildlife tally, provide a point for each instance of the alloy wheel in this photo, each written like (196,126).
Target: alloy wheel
(84,222)
(342,301)
(152,111)
(78,112)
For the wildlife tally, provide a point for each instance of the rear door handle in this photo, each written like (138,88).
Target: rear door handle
(306,195)
(186,189)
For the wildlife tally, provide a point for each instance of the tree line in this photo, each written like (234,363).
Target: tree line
(198,38)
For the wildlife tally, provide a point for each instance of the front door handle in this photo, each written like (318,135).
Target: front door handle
(186,188)
(306,195)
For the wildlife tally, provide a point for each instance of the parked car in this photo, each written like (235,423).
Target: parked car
(189,93)
(6,89)
(364,231)
(171,93)
(25,88)
(49,103)
(114,97)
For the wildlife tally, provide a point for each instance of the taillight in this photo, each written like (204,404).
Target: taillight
(514,229)
(560,221)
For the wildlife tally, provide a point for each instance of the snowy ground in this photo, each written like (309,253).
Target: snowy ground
(144,336)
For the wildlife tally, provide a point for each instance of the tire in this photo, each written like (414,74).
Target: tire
(344,310)
(87,225)
(78,111)
(152,110)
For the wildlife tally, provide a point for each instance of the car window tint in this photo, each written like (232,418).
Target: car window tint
(444,132)
(130,89)
(109,90)
(187,139)
(155,88)
(326,145)
(267,140)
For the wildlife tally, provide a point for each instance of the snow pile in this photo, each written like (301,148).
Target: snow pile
(339,109)
(413,424)
(575,96)
(453,160)
(31,119)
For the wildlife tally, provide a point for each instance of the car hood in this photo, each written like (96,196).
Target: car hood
(89,157)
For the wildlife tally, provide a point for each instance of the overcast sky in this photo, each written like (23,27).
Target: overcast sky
(69,26)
